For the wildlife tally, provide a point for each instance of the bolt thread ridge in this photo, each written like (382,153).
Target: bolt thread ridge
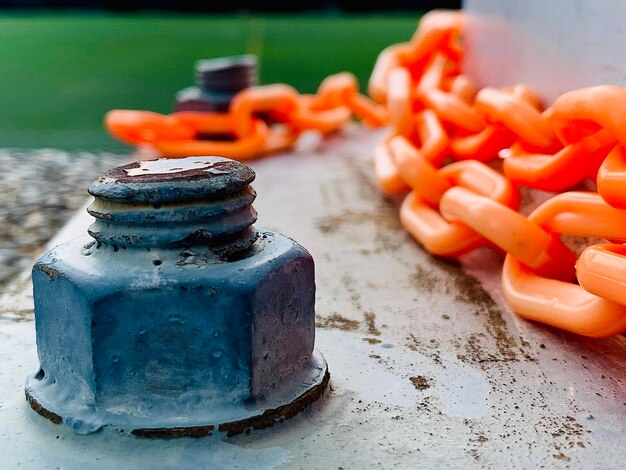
(175,203)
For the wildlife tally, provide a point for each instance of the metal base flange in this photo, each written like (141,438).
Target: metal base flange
(266,418)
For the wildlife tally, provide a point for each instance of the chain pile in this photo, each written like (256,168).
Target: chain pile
(443,134)
(446,140)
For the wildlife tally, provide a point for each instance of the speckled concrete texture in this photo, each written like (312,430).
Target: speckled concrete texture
(39,192)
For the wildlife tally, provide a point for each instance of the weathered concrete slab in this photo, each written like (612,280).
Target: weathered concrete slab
(428,369)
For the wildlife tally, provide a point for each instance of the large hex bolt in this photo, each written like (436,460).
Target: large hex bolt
(217,82)
(178,317)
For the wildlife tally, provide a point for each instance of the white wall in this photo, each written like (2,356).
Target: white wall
(551,45)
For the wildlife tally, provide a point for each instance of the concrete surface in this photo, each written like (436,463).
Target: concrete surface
(428,368)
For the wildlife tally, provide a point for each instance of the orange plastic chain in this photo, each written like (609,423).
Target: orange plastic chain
(240,133)
(441,155)
(437,116)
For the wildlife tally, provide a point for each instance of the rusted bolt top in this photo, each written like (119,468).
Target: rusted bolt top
(176,202)
(173,180)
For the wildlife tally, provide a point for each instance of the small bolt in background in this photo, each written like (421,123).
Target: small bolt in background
(217,82)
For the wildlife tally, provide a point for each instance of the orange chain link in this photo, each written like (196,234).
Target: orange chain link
(442,152)
(240,133)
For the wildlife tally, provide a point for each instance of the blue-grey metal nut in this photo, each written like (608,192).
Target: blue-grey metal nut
(163,338)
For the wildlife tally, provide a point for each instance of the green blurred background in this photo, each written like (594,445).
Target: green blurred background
(60,73)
